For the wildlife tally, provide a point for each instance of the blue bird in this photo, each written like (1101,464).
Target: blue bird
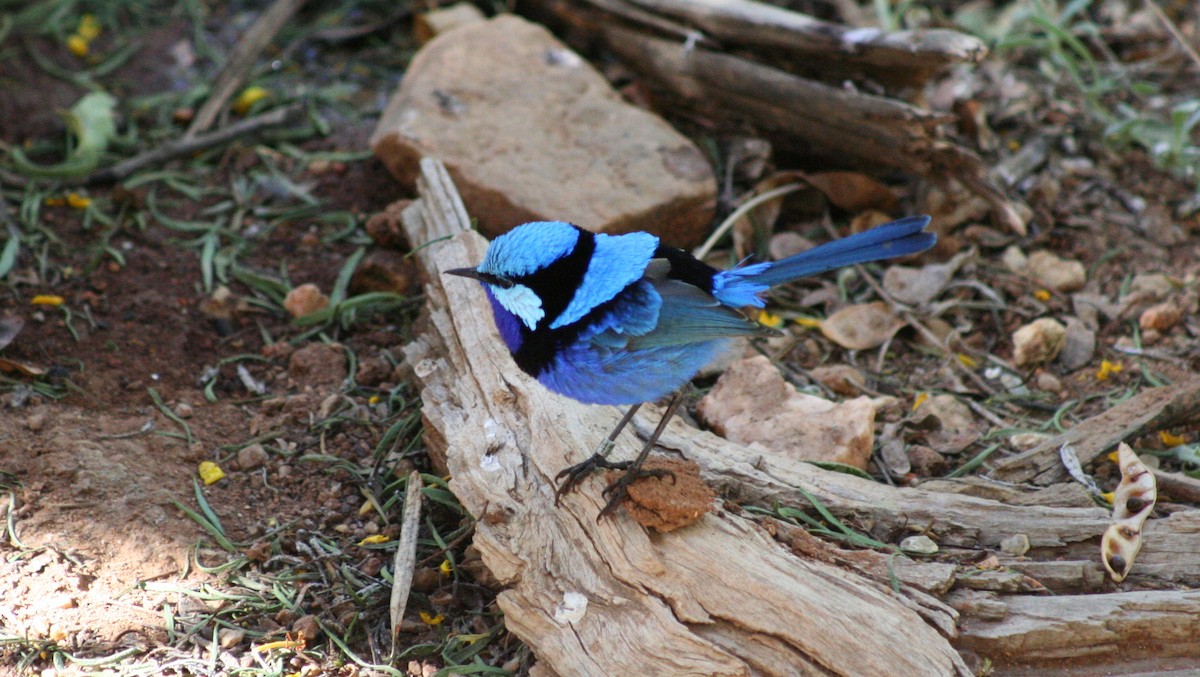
(624,319)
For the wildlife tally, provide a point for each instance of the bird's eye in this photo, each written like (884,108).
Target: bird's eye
(502,282)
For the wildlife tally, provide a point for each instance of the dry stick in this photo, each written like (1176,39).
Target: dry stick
(1152,409)
(1174,31)
(245,53)
(191,144)
(406,555)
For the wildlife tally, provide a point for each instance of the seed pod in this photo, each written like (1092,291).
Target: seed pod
(1132,504)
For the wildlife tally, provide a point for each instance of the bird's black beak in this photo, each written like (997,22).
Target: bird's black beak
(465,272)
(494,280)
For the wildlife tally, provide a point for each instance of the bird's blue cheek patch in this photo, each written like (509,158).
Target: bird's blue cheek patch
(522,302)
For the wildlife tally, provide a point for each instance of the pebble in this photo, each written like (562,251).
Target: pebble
(1016,545)
(1038,342)
(921,544)
(1056,273)
(252,456)
(1079,345)
(184,410)
(1155,285)
(1160,317)
(1049,383)
(228,638)
(36,421)
(1014,259)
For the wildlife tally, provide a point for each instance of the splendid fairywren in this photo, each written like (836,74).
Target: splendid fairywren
(623,319)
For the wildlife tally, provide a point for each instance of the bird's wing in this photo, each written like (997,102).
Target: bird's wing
(690,315)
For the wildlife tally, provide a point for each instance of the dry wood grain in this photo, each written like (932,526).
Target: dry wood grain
(717,598)
(1145,412)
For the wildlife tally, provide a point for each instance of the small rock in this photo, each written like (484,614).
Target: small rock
(920,544)
(252,456)
(228,638)
(862,326)
(1014,259)
(1016,545)
(840,378)
(1160,317)
(283,471)
(429,25)
(384,227)
(1056,273)
(36,421)
(1027,441)
(752,404)
(305,300)
(530,131)
(426,579)
(1047,382)
(306,627)
(1078,347)
(184,410)
(1154,285)
(1038,342)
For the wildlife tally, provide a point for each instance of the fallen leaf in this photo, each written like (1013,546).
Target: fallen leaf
(853,192)
(862,326)
(915,286)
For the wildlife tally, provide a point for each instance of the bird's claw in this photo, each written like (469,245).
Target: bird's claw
(618,490)
(576,473)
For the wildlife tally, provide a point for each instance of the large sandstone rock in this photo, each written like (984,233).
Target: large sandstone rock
(529,131)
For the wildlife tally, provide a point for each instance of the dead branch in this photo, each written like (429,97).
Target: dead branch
(241,60)
(818,119)
(1145,412)
(746,22)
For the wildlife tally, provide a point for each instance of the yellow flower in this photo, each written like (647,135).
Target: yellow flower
(374,399)
(1042,295)
(769,320)
(210,472)
(446,567)
(249,97)
(78,201)
(432,620)
(89,27)
(46,300)
(1107,369)
(1170,440)
(54,202)
(967,361)
(77,45)
(1113,456)
(808,322)
(919,400)
(1109,496)
(374,538)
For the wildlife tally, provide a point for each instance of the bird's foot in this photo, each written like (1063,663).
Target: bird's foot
(618,490)
(576,473)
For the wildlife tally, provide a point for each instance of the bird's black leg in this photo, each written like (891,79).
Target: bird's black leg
(575,474)
(633,469)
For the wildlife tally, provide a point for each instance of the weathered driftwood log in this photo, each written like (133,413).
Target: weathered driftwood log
(717,598)
(1145,412)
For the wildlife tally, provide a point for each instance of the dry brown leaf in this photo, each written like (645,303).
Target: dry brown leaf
(862,326)
(854,192)
(915,286)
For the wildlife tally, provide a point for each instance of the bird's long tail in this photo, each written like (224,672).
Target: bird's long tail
(741,286)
